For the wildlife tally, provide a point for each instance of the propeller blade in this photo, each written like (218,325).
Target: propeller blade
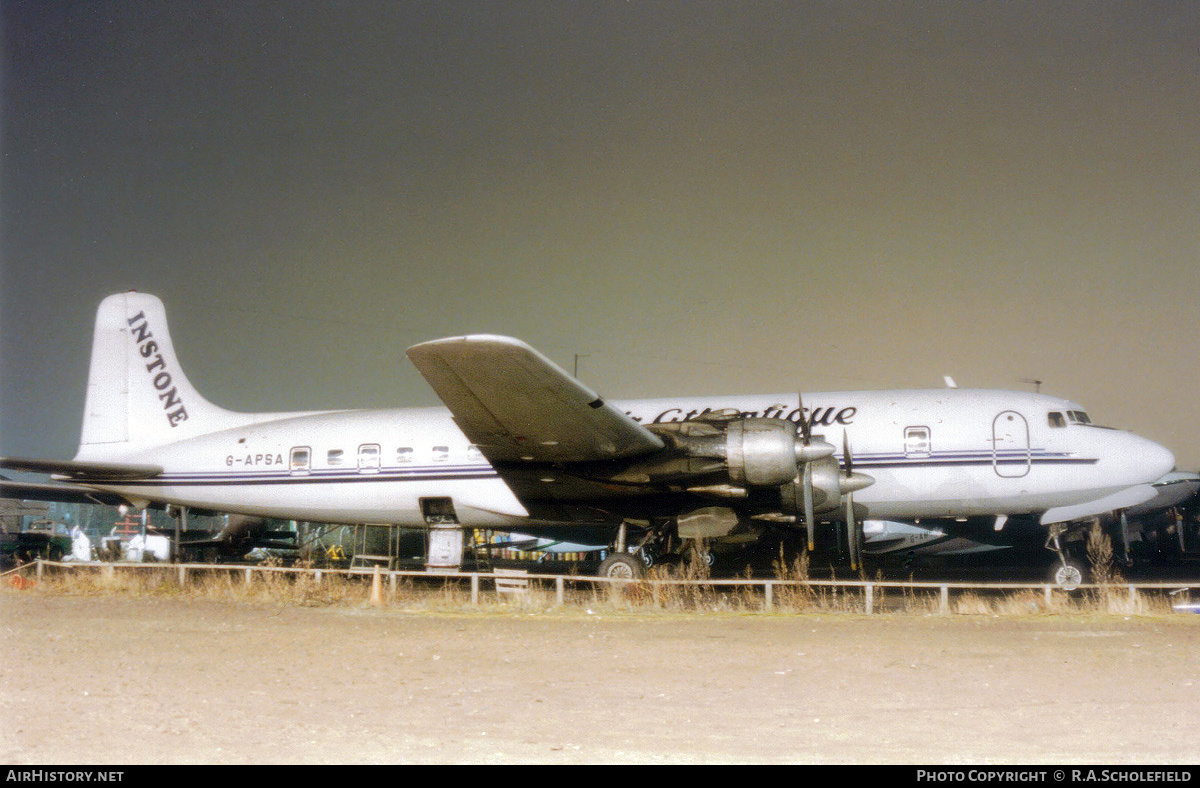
(853,533)
(850,481)
(805,427)
(809,515)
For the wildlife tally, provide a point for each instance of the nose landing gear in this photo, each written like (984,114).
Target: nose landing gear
(1068,575)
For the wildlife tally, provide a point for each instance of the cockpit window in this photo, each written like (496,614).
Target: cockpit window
(1059,419)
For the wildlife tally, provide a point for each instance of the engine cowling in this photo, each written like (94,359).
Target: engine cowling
(768,452)
(763,453)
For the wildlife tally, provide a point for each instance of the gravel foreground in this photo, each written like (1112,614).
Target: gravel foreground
(119,680)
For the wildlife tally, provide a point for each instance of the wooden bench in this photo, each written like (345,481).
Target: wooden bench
(511,581)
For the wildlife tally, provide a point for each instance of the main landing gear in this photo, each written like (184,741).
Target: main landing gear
(622,566)
(621,563)
(660,543)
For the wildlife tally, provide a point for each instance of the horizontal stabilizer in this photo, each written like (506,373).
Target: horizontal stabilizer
(59,492)
(80,470)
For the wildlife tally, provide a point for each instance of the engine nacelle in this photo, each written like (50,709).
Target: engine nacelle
(761,452)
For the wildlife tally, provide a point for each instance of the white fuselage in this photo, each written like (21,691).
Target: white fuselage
(935,453)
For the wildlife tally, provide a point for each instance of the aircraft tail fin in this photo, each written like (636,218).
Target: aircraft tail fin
(137,395)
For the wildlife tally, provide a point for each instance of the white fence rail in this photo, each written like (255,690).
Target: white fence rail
(502,581)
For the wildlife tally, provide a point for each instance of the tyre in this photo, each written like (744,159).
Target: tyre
(1068,576)
(623,566)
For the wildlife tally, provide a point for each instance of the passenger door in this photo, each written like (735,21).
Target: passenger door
(1010,445)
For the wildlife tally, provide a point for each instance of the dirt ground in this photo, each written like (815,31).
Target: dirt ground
(126,680)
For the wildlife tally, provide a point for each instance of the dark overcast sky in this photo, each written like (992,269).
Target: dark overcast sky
(699,198)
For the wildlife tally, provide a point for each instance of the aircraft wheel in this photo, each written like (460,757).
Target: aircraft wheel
(703,554)
(1068,577)
(623,566)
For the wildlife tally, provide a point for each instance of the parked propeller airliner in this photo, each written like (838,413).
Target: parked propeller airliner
(523,446)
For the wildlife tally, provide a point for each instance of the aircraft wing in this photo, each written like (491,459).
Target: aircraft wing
(516,404)
(1123,499)
(1174,489)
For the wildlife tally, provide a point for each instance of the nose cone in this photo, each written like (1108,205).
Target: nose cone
(1149,459)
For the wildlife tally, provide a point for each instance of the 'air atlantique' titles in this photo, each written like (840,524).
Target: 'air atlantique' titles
(817,417)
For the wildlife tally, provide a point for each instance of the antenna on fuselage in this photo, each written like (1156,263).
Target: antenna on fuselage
(1037,384)
(575,370)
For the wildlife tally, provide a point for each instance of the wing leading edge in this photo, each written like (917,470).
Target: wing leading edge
(515,404)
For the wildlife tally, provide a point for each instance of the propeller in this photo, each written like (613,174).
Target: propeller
(805,488)
(848,482)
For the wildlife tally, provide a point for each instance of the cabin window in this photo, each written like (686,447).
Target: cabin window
(1057,419)
(916,441)
(368,457)
(301,459)
(441,453)
(404,454)
(335,457)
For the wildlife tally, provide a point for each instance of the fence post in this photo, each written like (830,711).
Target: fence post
(944,602)
(869,598)
(39,570)
(474,588)
(249,576)
(182,575)
(559,590)
(768,596)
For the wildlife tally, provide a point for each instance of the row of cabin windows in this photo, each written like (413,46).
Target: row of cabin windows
(917,441)
(369,456)
(916,444)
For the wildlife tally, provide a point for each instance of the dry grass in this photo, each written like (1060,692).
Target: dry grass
(681,588)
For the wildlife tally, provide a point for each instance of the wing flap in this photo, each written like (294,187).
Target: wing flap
(515,404)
